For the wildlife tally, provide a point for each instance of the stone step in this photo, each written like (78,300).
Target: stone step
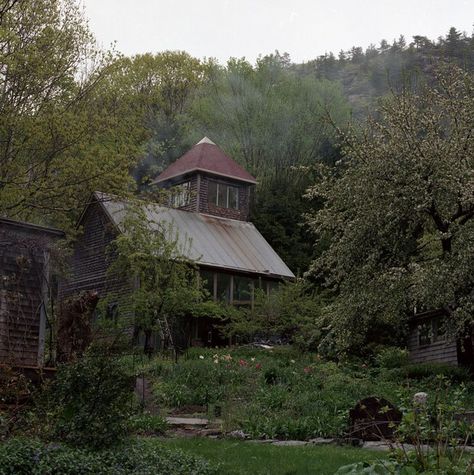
(187,421)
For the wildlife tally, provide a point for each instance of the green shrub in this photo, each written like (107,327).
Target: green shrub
(144,457)
(92,400)
(429,370)
(147,424)
(392,357)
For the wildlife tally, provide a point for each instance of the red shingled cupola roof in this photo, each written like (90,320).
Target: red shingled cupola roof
(207,157)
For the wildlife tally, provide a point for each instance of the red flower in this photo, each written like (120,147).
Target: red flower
(242,363)
(258,366)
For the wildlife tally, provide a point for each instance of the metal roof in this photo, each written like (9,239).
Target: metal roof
(209,240)
(207,157)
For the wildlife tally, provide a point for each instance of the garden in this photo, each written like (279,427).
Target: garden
(92,418)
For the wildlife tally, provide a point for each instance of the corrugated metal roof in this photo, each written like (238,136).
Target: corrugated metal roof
(206,156)
(211,241)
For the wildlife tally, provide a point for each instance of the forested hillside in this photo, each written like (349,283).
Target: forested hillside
(367,75)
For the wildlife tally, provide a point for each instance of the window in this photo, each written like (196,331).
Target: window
(224,287)
(207,281)
(112,312)
(425,333)
(431,331)
(222,195)
(243,290)
(180,195)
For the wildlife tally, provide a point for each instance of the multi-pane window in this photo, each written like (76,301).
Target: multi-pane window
(431,331)
(243,290)
(223,288)
(223,195)
(180,195)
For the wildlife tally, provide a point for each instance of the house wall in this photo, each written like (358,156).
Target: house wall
(88,267)
(440,350)
(24,296)
(241,214)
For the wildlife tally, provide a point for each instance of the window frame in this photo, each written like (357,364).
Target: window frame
(180,195)
(228,188)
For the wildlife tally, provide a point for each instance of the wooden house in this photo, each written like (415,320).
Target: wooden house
(209,209)
(428,341)
(25,291)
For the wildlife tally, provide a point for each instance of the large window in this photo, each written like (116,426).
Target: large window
(223,288)
(243,291)
(222,195)
(180,195)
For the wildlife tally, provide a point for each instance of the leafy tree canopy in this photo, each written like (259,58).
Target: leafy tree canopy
(57,140)
(399,212)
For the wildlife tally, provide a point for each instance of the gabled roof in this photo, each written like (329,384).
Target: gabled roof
(210,241)
(12,223)
(207,157)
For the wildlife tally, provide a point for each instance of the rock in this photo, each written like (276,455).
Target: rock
(321,441)
(420,398)
(210,432)
(290,443)
(373,445)
(262,441)
(237,434)
(186,421)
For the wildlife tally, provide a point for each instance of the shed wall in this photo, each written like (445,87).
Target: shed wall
(440,351)
(24,260)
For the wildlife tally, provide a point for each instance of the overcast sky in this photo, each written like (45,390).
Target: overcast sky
(303,28)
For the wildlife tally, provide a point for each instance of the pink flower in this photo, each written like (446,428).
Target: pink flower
(307,370)
(242,363)
(258,366)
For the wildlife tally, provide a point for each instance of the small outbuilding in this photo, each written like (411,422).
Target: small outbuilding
(25,291)
(429,342)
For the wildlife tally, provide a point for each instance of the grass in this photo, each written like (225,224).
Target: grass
(247,458)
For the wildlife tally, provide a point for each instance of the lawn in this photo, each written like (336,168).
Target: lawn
(242,458)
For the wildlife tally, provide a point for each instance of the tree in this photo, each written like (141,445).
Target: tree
(57,141)
(272,122)
(151,254)
(155,93)
(398,215)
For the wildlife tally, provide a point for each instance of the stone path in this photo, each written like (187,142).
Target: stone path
(203,427)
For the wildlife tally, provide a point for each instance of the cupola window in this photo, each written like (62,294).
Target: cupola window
(223,195)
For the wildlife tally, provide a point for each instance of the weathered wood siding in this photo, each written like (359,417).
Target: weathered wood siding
(91,258)
(24,296)
(438,351)
(241,214)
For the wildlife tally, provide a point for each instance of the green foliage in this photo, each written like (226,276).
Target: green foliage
(290,312)
(280,393)
(392,357)
(427,370)
(437,433)
(90,401)
(153,254)
(59,141)
(32,457)
(147,424)
(272,121)
(398,216)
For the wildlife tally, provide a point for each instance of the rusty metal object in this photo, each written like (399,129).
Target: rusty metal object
(374,418)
